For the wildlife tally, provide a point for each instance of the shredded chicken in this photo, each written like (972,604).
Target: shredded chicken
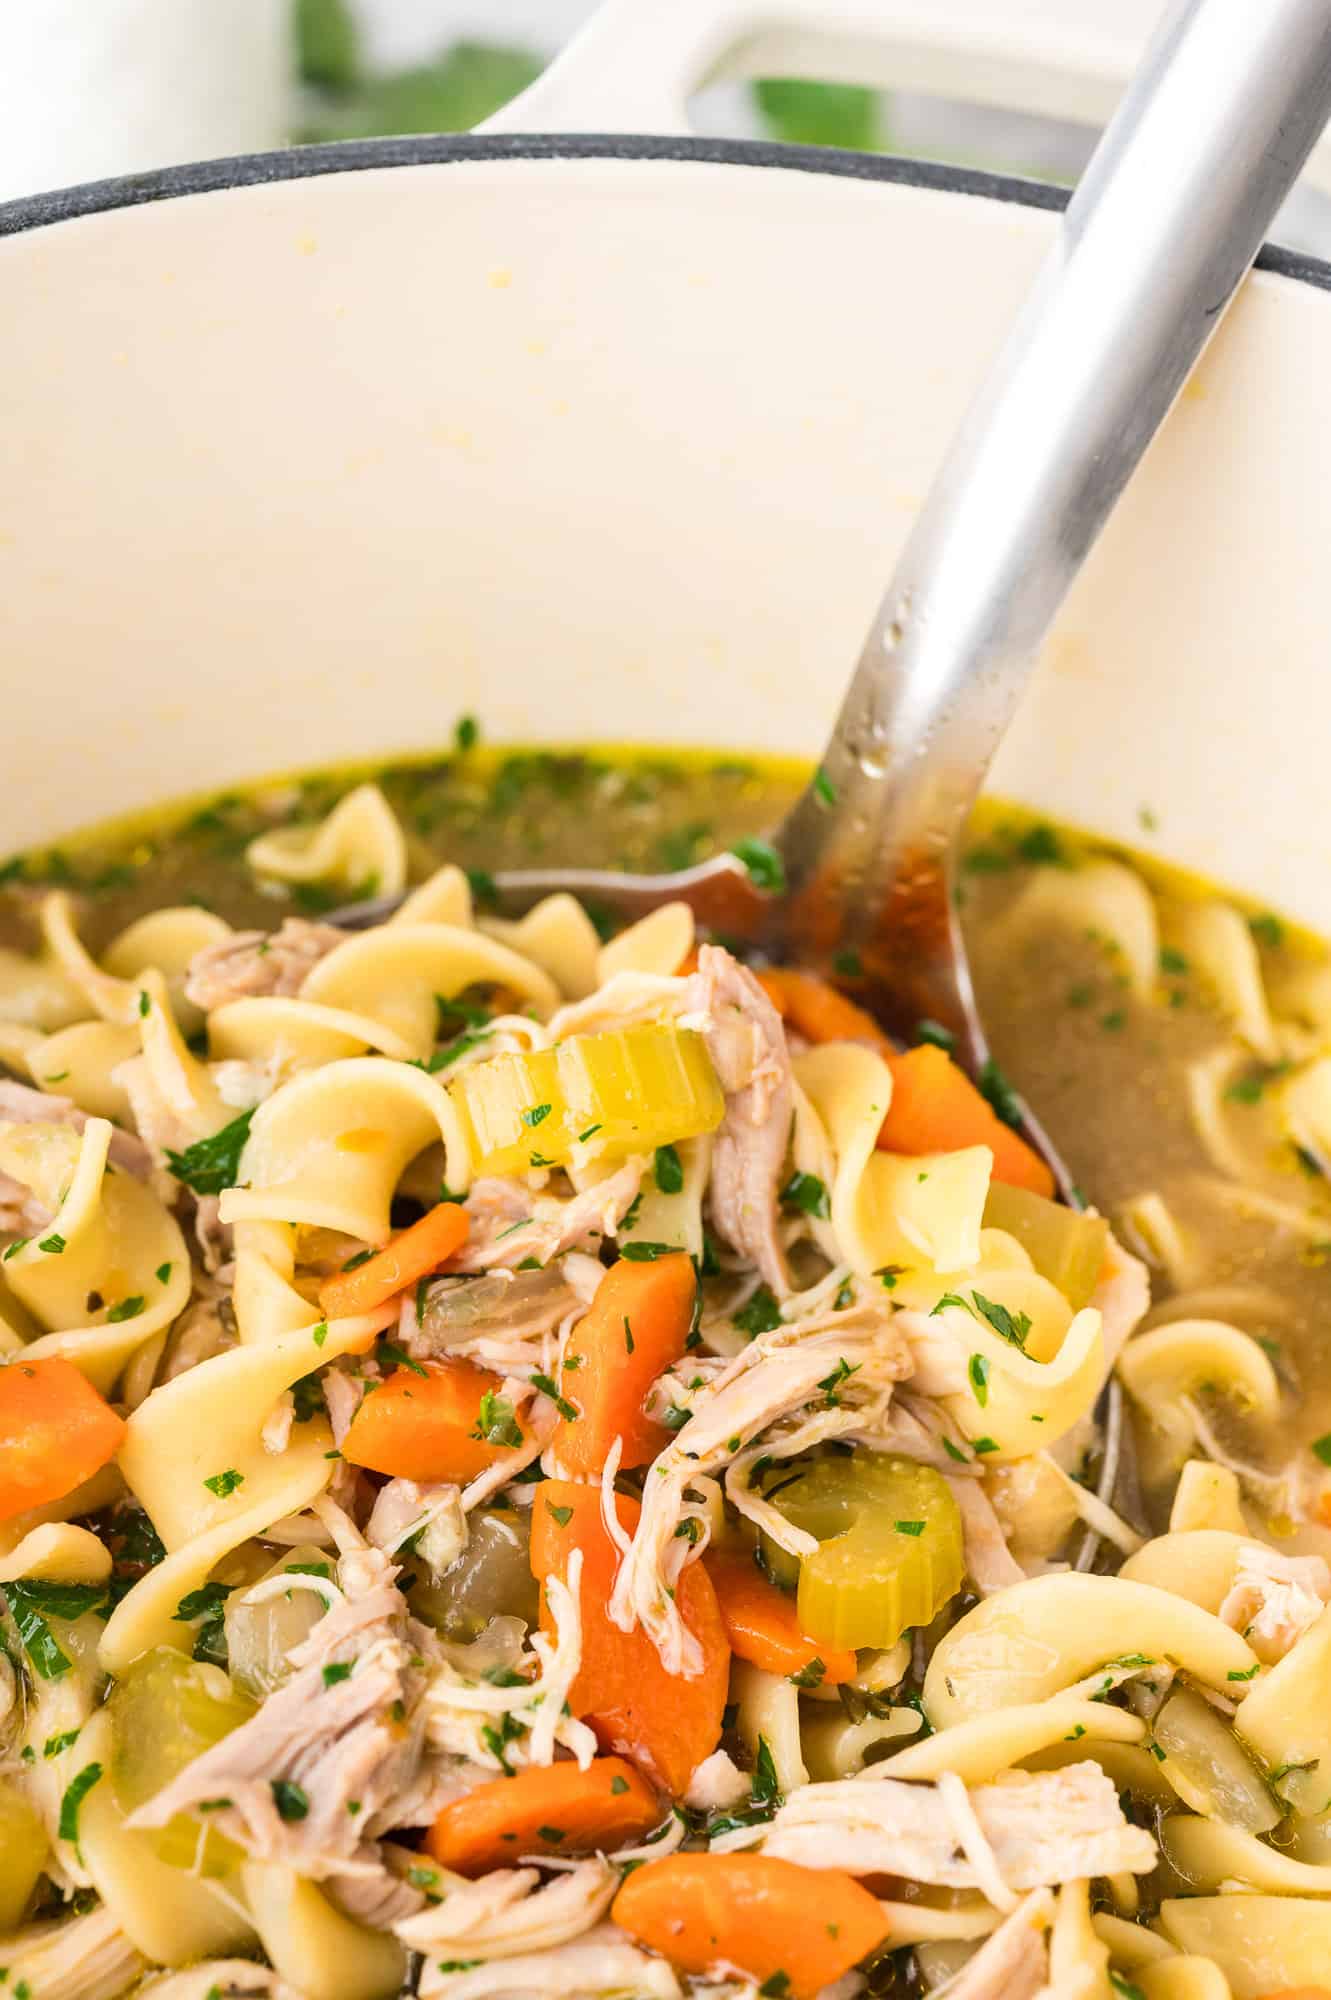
(343,1391)
(20,1105)
(1013,1964)
(510,1912)
(251,965)
(1274,1599)
(990,1564)
(717,1784)
(380,1895)
(432,1514)
(545,1225)
(350,1745)
(21,1214)
(846,1364)
(218,1979)
(603,1963)
(79,1958)
(206,1327)
(1042,1828)
(747,1042)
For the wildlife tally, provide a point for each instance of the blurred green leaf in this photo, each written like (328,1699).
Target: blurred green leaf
(468,83)
(820,114)
(327,44)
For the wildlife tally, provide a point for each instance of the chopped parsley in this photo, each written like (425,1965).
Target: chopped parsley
(212,1164)
(1268,930)
(127,1309)
(549,1387)
(977,1368)
(689,1529)
(1013,1328)
(760,1315)
(162,1273)
(496,1422)
(54,1745)
(669,1169)
(390,1351)
(467,732)
(76,1791)
(807,1193)
(935,1032)
(291,1799)
(335,1671)
(1002,1098)
(910,1527)
(811,1675)
(32,1602)
(224,1484)
(1322,1448)
(831,1384)
(536,1114)
(764,865)
(53,1245)
(561,1514)
(645,1253)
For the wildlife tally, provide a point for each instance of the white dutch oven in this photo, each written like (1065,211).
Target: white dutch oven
(306,453)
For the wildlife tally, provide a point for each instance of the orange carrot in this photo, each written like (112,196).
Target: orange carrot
(761,1622)
(936,1108)
(414,1254)
(433,1422)
(819,1012)
(637,1326)
(793,1929)
(666,1724)
(1300,1993)
(55,1432)
(549,1809)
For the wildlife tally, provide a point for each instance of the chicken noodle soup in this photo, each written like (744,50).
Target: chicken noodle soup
(536,1461)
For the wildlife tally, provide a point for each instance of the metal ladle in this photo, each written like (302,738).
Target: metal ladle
(1171,211)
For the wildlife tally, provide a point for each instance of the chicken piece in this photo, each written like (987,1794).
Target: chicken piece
(218,1979)
(379,1895)
(601,1963)
(433,1514)
(19,1105)
(990,1564)
(319,1747)
(1041,1828)
(1013,1964)
(74,1958)
(1122,1297)
(509,1911)
(776,1376)
(746,1040)
(1274,1599)
(21,1214)
(545,1225)
(251,965)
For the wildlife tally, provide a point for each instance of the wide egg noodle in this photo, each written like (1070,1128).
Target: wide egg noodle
(1286,1719)
(110,1240)
(1023,1399)
(886,1208)
(163,942)
(981,1747)
(1078,1961)
(835,1747)
(658,943)
(560,937)
(289,1034)
(1183,1978)
(1218,945)
(397,975)
(1043,1636)
(1262,1944)
(672,1218)
(207,1426)
(265,1298)
(80,1062)
(768,1712)
(1164,1368)
(359,847)
(314,1947)
(170,1914)
(1104,899)
(329,1148)
(57,1552)
(37,996)
(1207,1854)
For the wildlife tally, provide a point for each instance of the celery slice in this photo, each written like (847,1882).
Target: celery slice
(1065,1247)
(890,1554)
(626,1090)
(165,1712)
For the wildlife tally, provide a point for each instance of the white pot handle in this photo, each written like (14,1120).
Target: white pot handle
(637,63)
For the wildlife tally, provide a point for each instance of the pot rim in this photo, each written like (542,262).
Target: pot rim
(293,163)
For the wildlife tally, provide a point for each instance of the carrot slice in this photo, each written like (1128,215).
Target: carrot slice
(762,1625)
(773,1919)
(414,1254)
(636,1327)
(936,1108)
(432,1422)
(666,1724)
(551,1809)
(55,1432)
(819,1012)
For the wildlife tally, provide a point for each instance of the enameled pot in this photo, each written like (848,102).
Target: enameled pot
(306,453)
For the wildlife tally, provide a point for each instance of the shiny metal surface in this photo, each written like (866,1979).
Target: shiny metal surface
(1170,213)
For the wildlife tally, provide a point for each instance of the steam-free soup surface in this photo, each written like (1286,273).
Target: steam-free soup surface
(537,1228)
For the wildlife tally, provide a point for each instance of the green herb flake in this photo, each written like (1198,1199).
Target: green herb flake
(398,1356)
(1322,1448)
(760,1315)
(823,789)
(335,1671)
(628,1335)
(31,1602)
(496,1422)
(536,1114)
(1268,930)
(934,1031)
(977,1368)
(618,1786)
(910,1527)
(224,1484)
(52,1245)
(211,1165)
(764,865)
(549,1387)
(776,1986)
(467,733)
(561,1514)
(291,1799)
(811,1675)
(808,1194)
(669,1170)
(127,1309)
(163,1274)
(1126,1989)
(983,1446)
(55,1745)
(76,1791)
(1013,1328)
(1248,1674)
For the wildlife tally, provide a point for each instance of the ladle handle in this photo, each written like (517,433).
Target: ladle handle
(1169,215)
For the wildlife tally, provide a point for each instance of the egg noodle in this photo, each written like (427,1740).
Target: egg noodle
(538,1465)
